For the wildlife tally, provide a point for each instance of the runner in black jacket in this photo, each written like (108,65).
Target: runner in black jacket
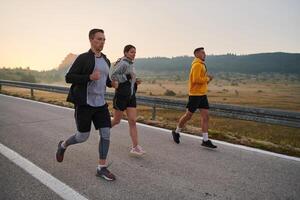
(89,76)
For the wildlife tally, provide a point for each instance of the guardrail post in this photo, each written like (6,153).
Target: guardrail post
(153,112)
(31,93)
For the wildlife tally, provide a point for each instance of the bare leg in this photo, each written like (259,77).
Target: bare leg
(117,117)
(204,120)
(184,119)
(204,126)
(131,114)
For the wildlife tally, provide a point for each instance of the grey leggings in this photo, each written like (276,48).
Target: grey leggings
(104,142)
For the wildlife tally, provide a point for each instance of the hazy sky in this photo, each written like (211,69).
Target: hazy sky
(41,33)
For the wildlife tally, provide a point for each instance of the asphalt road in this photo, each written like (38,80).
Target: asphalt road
(168,171)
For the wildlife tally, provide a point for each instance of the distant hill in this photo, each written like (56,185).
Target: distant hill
(253,63)
(284,63)
(67,61)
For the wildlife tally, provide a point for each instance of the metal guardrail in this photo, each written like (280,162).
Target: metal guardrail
(271,116)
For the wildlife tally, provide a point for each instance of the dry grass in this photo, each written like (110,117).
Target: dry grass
(267,95)
(274,138)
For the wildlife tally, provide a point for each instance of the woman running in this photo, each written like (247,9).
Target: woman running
(123,73)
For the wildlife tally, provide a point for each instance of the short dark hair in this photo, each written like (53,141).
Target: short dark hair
(94,31)
(127,48)
(198,49)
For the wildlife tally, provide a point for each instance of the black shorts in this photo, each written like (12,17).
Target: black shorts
(85,115)
(197,102)
(122,102)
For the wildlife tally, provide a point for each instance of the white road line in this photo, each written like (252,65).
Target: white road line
(183,134)
(60,188)
(227,144)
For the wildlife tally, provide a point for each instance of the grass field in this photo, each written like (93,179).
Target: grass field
(268,95)
(274,138)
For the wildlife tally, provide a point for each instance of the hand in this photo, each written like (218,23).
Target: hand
(115,84)
(138,81)
(210,78)
(128,76)
(95,75)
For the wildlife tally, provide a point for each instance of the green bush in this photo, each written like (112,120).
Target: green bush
(169,93)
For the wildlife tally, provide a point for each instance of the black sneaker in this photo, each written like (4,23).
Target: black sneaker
(176,137)
(105,173)
(60,152)
(208,144)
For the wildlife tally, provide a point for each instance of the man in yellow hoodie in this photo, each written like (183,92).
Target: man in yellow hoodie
(198,81)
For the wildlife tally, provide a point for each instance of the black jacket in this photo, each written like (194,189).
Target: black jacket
(79,76)
(124,89)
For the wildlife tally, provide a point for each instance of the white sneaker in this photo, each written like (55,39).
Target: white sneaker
(138,150)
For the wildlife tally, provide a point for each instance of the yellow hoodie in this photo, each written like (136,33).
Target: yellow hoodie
(198,79)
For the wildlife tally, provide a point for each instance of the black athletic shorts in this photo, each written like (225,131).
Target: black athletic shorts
(197,102)
(85,115)
(122,102)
